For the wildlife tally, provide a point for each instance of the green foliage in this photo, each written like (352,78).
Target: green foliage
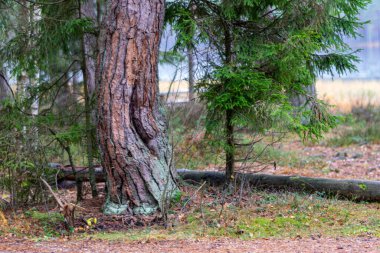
(359,127)
(22,160)
(176,198)
(40,47)
(49,222)
(179,15)
(27,146)
(263,53)
(171,57)
(73,134)
(44,217)
(265,215)
(363,186)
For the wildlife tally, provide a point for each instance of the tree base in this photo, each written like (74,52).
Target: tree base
(111,208)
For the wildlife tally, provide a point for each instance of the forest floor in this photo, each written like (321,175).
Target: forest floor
(322,245)
(204,220)
(347,162)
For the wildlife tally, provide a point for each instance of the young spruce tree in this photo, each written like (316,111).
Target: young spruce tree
(262,54)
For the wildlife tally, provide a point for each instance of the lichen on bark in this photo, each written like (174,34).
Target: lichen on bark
(132,131)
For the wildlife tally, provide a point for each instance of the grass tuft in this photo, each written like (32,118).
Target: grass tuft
(360,127)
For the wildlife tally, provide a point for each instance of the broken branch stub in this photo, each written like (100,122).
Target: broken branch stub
(67,209)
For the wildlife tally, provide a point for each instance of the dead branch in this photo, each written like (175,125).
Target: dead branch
(60,203)
(67,209)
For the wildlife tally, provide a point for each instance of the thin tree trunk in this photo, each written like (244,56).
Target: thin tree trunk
(230,149)
(190,58)
(77,176)
(76,85)
(229,128)
(5,92)
(89,45)
(34,108)
(33,80)
(88,10)
(90,140)
(131,129)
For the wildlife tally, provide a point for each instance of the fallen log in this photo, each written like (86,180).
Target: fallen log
(341,188)
(66,172)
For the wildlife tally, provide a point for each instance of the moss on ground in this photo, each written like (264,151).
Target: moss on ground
(267,215)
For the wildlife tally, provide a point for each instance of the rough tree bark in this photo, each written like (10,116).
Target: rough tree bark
(131,129)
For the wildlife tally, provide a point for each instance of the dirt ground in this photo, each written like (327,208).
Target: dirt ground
(312,245)
(360,162)
(353,162)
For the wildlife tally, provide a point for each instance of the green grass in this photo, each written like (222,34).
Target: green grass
(201,155)
(193,150)
(290,215)
(359,127)
(287,158)
(261,214)
(48,222)
(267,215)
(45,218)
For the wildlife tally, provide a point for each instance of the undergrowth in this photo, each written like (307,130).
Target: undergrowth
(194,149)
(246,214)
(263,215)
(34,224)
(209,213)
(361,126)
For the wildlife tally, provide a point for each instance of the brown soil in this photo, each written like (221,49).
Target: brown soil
(360,162)
(361,244)
(352,162)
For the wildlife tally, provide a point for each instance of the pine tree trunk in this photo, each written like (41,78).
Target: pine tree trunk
(89,41)
(88,10)
(131,129)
